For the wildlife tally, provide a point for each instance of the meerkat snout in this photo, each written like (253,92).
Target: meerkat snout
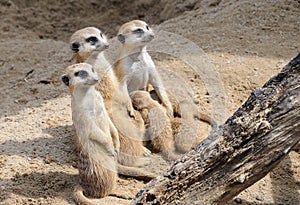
(106,46)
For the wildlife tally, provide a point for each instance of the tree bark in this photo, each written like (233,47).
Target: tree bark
(240,152)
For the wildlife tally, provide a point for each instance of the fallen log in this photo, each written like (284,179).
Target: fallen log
(240,152)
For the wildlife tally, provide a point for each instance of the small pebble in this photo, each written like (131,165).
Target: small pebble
(238,200)
(48,160)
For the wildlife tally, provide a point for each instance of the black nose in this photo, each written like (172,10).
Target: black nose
(106,46)
(152,36)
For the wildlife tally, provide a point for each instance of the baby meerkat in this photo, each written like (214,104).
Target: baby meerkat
(185,126)
(97,138)
(158,125)
(135,68)
(87,45)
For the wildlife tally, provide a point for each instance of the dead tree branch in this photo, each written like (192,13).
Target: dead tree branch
(240,152)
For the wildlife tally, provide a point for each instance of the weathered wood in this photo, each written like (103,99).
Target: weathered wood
(240,152)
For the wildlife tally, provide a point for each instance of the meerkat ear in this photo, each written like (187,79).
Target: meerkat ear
(66,80)
(75,47)
(121,38)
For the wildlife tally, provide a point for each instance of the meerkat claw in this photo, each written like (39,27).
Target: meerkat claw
(147,152)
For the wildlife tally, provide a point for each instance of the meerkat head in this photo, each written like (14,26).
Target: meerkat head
(135,33)
(142,100)
(81,75)
(86,41)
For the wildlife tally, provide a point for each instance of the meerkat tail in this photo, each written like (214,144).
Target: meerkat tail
(205,118)
(136,173)
(170,155)
(121,194)
(80,199)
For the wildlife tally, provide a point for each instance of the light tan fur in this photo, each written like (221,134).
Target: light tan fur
(95,132)
(158,125)
(185,125)
(131,150)
(135,68)
(83,200)
(97,138)
(178,112)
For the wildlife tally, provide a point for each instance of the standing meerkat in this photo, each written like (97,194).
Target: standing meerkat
(97,138)
(135,69)
(87,45)
(158,125)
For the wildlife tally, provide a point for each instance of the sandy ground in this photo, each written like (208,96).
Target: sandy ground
(243,42)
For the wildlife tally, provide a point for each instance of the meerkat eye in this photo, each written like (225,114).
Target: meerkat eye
(92,39)
(147,27)
(93,70)
(101,34)
(81,73)
(139,31)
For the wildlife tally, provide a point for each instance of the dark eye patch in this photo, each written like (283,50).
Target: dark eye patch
(101,34)
(138,31)
(92,39)
(81,73)
(147,27)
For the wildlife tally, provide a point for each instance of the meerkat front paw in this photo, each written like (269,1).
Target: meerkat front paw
(110,150)
(117,147)
(116,154)
(147,152)
(130,110)
(169,109)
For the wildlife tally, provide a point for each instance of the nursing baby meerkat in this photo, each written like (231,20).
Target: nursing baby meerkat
(158,125)
(97,138)
(87,45)
(185,126)
(135,68)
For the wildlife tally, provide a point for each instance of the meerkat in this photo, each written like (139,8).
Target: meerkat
(135,69)
(185,124)
(87,45)
(97,138)
(158,125)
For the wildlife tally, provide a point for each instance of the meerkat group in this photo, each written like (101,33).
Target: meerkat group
(114,115)
(158,125)
(87,45)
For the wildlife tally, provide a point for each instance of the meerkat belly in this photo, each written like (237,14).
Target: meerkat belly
(103,124)
(139,78)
